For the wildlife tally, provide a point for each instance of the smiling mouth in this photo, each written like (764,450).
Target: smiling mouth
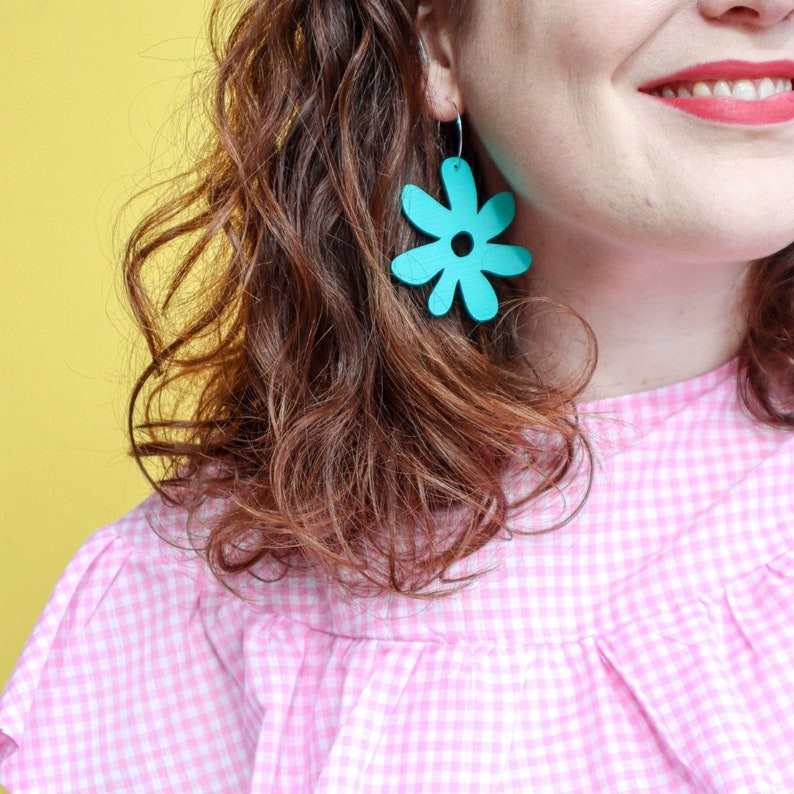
(746,90)
(733,92)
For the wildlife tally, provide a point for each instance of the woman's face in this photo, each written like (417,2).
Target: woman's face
(559,94)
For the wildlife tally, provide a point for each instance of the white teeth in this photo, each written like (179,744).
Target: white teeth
(746,90)
(766,88)
(721,88)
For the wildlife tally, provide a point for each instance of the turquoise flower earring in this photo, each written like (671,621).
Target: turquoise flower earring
(462,252)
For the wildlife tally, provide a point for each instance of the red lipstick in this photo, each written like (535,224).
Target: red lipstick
(774,109)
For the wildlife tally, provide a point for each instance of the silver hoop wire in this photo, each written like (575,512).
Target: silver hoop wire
(459,125)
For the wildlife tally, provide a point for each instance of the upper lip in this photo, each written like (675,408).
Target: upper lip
(725,70)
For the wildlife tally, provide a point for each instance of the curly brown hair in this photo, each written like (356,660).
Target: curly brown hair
(290,376)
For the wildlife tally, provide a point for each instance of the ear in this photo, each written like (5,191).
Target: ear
(435,36)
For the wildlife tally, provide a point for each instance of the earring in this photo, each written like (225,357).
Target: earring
(462,252)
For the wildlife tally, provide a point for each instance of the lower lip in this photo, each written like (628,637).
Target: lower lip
(772,110)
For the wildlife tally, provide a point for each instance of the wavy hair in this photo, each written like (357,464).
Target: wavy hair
(290,376)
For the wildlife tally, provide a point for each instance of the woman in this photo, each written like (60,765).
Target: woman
(414,535)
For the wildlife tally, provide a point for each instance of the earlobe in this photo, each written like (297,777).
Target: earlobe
(443,89)
(443,95)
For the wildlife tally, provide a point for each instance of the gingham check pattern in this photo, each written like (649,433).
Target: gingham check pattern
(647,646)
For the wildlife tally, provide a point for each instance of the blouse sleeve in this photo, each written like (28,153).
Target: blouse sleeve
(128,673)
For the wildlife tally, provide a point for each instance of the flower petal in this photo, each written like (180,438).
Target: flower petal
(461,192)
(419,265)
(424,212)
(505,260)
(495,216)
(440,300)
(479,296)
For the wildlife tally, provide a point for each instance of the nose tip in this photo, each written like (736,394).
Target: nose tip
(755,13)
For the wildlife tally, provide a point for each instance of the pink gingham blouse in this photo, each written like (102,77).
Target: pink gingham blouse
(647,646)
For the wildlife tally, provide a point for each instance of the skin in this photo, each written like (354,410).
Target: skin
(643,219)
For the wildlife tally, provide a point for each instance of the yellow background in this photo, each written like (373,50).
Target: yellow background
(87,93)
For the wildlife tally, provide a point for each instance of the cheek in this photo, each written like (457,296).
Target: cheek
(542,115)
(554,122)
(558,151)
(617,188)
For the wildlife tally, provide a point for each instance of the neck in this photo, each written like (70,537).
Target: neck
(657,319)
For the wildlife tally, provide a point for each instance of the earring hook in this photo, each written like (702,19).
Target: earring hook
(459,125)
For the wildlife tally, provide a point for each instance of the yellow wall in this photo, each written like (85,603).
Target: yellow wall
(86,90)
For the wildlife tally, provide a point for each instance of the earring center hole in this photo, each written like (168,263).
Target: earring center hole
(462,244)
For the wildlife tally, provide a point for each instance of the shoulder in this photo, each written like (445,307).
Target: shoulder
(139,560)
(139,649)
(150,559)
